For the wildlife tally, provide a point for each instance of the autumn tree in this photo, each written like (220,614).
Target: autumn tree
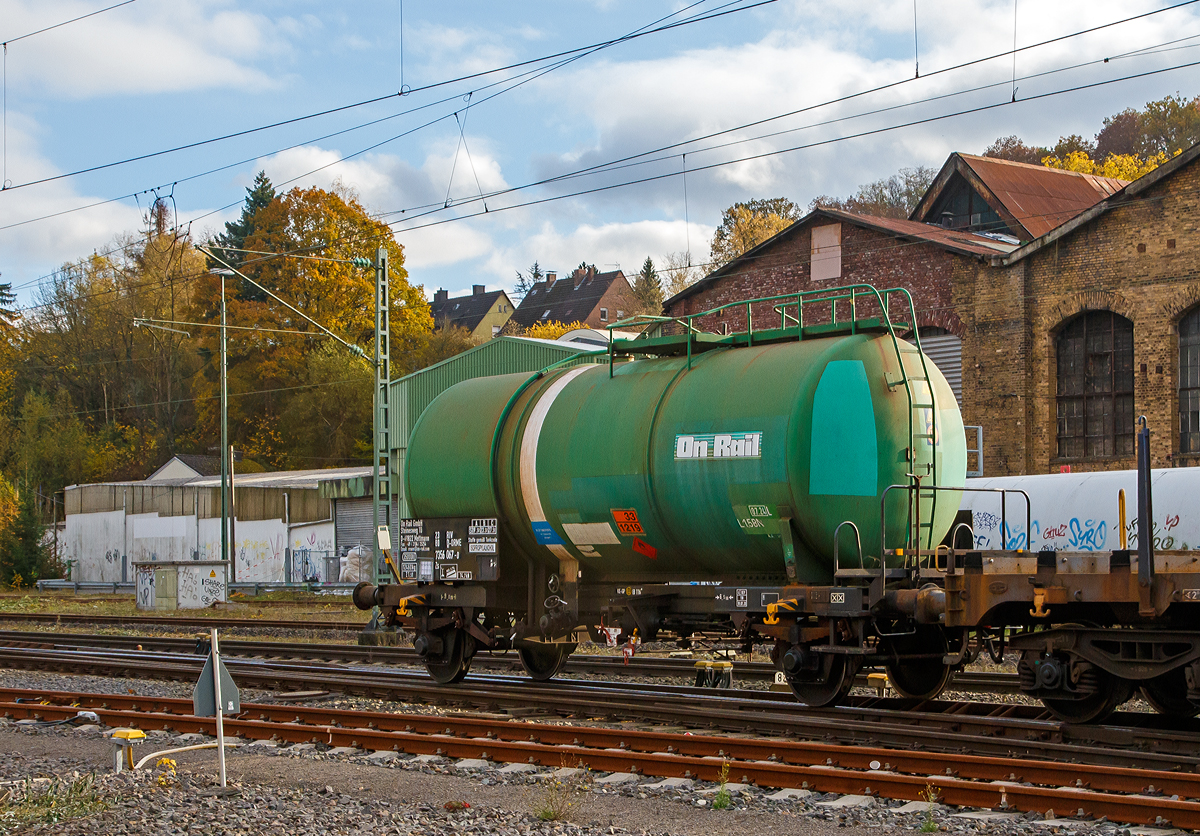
(115,394)
(746,225)
(433,347)
(551,330)
(269,365)
(1014,149)
(679,273)
(322,423)
(890,197)
(1121,134)
(647,290)
(1169,125)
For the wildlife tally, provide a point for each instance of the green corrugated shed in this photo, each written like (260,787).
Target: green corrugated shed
(502,355)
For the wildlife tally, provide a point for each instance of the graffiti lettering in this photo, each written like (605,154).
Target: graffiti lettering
(1159,541)
(1089,535)
(1014,539)
(1057,531)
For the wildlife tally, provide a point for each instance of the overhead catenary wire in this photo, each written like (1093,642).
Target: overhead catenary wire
(755,123)
(851,136)
(528,76)
(432,86)
(4,182)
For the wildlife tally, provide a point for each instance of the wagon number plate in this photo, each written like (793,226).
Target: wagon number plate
(1191,595)
(627,521)
(837,597)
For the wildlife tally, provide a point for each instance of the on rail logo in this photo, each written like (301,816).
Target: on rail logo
(718,446)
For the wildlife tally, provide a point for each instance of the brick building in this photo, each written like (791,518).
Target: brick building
(1064,338)
(595,299)
(1079,332)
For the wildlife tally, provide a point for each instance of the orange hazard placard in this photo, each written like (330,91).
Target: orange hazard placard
(627,521)
(642,547)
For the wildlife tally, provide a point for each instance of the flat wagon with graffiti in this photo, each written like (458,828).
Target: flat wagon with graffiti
(1081,511)
(795,485)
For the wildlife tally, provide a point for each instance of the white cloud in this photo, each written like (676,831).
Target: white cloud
(145,48)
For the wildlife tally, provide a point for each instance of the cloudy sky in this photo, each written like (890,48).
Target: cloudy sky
(759,100)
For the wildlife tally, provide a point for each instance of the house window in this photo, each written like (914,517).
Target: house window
(1189,383)
(620,314)
(495,330)
(546,314)
(604,314)
(1095,386)
(826,252)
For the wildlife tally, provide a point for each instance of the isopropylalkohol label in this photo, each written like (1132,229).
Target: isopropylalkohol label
(718,446)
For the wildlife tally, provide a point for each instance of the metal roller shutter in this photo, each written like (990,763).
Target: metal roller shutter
(353,521)
(946,352)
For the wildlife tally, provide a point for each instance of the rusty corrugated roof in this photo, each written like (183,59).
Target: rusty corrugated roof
(1040,198)
(951,239)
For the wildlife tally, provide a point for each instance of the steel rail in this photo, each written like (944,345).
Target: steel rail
(1121,794)
(179,621)
(1001,730)
(972,681)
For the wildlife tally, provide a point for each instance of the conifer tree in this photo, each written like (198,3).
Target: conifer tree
(23,557)
(258,197)
(647,289)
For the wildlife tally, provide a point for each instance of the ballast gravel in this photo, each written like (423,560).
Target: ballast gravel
(306,789)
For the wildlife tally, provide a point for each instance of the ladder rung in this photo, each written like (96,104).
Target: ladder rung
(922,406)
(922,435)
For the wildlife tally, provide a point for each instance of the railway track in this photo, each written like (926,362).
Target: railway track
(972,681)
(1133,740)
(181,622)
(1121,793)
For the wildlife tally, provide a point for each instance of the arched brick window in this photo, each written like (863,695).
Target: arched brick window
(1095,386)
(1189,383)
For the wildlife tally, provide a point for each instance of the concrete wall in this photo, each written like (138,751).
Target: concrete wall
(96,545)
(97,542)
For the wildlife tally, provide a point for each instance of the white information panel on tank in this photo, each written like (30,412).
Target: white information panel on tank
(718,446)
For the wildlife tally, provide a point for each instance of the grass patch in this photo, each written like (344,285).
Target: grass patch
(271,607)
(48,802)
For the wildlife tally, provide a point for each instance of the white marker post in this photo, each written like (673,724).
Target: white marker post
(216,670)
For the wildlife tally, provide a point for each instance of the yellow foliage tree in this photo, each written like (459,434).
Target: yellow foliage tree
(550,330)
(1120,166)
(743,227)
(268,370)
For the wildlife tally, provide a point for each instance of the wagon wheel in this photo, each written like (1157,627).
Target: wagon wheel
(1168,694)
(921,679)
(543,661)
(452,664)
(829,683)
(1111,691)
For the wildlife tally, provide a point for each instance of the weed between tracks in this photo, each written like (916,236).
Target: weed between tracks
(722,799)
(556,797)
(930,796)
(48,802)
